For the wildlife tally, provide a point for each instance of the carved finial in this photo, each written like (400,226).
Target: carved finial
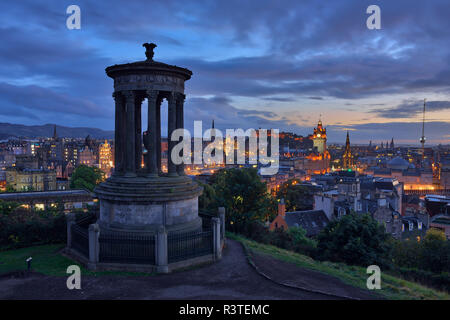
(149,50)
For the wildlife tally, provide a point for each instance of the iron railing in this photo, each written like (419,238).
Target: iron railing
(127,247)
(86,219)
(206,218)
(189,245)
(80,239)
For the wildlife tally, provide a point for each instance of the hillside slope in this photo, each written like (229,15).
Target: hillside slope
(8,130)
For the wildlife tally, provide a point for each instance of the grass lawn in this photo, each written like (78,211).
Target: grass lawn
(391,287)
(48,260)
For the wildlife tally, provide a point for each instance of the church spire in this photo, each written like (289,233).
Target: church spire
(55,136)
(347,157)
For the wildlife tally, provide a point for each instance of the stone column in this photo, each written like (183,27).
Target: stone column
(180,124)
(161,251)
(70,219)
(118,137)
(158,134)
(138,138)
(152,157)
(222,222)
(171,126)
(94,247)
(130,169)
(217,244)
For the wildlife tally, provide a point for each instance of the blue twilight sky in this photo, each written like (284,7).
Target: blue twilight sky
(268,64)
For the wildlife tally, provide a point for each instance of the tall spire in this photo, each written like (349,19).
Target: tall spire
(422,139)
(55,136)
(347,144)
(212,124)
(347,157)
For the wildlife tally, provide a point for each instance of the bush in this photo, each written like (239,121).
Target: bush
(244,196)
(356,240)
(432,253)
(438,281)
(22,228)
(294,240)
(86,178)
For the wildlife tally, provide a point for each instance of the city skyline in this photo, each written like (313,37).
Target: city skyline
(269,66)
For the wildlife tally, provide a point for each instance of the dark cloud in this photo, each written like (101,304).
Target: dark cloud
(226,116)
(315,98)
(404,132)
(411,109)
(279,99)
(35,99)
(271,51)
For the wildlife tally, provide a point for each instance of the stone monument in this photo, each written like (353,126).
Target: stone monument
(140,197)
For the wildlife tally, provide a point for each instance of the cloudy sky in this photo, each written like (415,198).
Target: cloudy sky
(268,64)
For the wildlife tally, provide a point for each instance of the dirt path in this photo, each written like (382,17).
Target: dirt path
(291,275)
(231,278)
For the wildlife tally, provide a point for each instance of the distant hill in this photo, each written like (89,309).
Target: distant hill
(8,130)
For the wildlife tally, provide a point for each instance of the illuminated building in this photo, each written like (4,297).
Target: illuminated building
(105,159)
(347,157)
(31,179)
(71,152)
(406,173)
(86,157)
(320,138)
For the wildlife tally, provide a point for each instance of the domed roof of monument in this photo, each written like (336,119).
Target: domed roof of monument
(398,163)
(147,66)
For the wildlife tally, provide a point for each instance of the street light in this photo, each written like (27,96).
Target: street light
(28,261)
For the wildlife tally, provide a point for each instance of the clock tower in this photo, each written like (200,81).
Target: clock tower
(320,138)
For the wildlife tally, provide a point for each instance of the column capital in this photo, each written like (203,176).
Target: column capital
(152,94)
(180,96)
(116,95)
(129,94)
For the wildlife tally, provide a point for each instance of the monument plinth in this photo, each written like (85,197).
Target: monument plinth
(143,198)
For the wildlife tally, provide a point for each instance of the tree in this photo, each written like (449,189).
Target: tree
(9,189)
(208,198)
(85,177)
(244,195)
(435,252)
(296,196)
(355,239)
(299,238)
(6,207)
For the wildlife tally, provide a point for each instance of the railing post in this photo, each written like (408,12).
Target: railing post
(217,247)
(94,248)
(70,219)
(161,251)
(222,223)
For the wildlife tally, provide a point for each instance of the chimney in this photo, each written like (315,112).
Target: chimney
(281,208)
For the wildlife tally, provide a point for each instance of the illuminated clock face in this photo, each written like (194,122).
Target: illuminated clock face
(318,135)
